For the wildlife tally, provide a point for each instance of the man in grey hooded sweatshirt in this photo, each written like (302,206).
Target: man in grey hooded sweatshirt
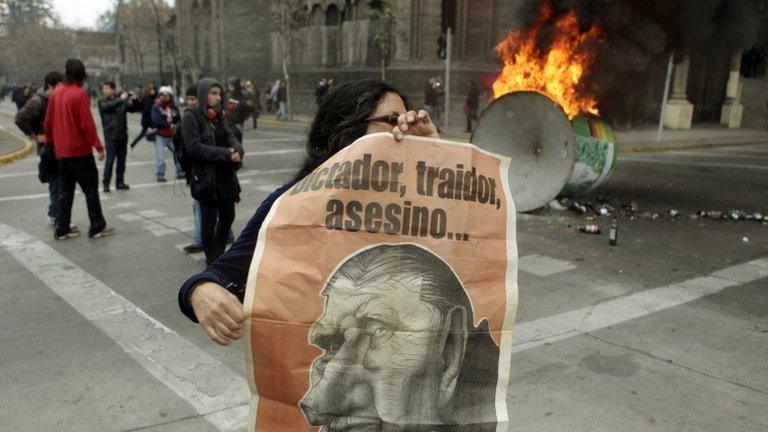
(215,155)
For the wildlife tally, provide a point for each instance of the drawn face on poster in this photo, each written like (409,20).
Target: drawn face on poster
(400,348)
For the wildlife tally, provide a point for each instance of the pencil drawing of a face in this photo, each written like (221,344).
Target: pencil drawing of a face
(397,331)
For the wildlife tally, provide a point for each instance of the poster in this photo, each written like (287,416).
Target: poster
(383,291)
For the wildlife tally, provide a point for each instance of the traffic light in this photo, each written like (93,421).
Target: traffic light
(442,47)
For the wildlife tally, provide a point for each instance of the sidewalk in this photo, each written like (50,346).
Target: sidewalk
(630,141)
(13,146)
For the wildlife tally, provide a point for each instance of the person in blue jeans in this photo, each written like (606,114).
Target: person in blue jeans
(165,115)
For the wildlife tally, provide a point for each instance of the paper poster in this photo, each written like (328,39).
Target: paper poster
(383,292)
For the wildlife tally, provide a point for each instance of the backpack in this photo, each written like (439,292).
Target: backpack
(180,151)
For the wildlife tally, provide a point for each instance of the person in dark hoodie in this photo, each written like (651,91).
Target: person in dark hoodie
(30,120)
(113,110)
(165,115)
(215,155)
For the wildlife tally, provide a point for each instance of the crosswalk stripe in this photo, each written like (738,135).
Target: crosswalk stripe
(209,386)
(551,329)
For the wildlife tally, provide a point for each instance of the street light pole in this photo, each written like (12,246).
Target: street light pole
(449,43)
(665,97)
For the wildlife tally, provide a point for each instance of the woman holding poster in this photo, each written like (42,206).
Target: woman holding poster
(213,297)
(379,286)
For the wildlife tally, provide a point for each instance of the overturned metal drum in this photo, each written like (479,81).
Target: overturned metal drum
(596,155)
(534,132)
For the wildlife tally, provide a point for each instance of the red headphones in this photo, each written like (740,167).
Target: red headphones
(210,114)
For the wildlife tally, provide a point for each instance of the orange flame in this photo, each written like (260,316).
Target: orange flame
(557,73)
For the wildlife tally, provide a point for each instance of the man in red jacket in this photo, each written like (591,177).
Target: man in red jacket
(69,126)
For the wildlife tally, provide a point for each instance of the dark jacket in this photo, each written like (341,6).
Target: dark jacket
(160,119)
(473,99)
(31,117)
(207,143)
(146,103)
(31,120)
(113,118)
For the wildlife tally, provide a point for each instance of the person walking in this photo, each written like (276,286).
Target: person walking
(471,104)
(321,89)
(269,98)
(282,101)
(215,155)
(273,95)
(165,114)
(70,128)
(114,122)
(253,96)
(146,103)
(31,121)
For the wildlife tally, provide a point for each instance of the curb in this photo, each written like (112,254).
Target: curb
(23,152)
(692,146)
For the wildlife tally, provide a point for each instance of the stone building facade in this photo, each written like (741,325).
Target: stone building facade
(223,38)
(240,37)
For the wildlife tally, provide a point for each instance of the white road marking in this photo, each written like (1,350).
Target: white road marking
(543,266)
(151,213)
(690,163)
(209,386)
(152,162)
(129,217)
(126,204)
(551,329)
(243,174)
(157,229)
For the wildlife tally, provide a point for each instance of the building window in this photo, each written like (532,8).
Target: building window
(332,16)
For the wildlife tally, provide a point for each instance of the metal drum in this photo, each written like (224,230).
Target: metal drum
(534,132)
(596,157)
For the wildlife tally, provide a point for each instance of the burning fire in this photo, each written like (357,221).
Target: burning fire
(557,73)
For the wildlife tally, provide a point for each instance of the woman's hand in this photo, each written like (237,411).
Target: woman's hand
(218,311)
(413,123)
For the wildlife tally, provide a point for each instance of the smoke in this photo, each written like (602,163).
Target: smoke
(638,35)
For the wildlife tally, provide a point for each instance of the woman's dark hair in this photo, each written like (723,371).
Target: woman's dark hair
(74,71)
(341,119)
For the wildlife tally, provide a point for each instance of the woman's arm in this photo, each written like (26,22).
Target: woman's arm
(225,277)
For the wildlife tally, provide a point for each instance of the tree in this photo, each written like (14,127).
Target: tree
(291,15)
(31,51)
(142,24)
(387,16)
(21,13)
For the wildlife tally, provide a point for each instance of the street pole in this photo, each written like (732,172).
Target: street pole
(448,46)
(665,97)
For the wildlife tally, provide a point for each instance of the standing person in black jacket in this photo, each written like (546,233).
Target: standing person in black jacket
(215,155)
(113,112)
(146,103)
(30,119)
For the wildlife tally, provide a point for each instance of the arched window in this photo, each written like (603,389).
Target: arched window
(332,16)
(318,18)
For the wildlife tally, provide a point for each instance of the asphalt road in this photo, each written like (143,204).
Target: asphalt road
(668,331)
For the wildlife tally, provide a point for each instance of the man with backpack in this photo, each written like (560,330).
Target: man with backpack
(30,119)
(165,115)
(214,154)
(178,143)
